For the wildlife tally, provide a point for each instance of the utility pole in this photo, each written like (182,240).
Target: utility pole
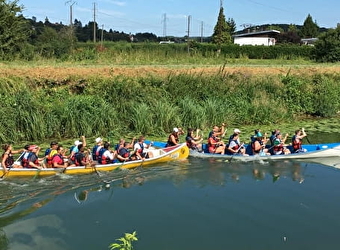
(189,19)
(102,36)
(71,31)
(71,12)
(202,32)
(94,22)
(164,26)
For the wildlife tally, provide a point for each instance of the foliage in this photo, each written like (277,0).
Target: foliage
(309,29)
(126,242)
(222,31)
(13,29)
(37,109)
(327,48)
(51,43)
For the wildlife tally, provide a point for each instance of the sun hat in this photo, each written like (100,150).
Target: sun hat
(77,142)
(99,140)
(236,130)
(175,130)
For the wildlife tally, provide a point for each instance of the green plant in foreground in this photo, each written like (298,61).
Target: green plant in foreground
(126,242)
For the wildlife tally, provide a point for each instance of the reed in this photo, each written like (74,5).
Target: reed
(37,109)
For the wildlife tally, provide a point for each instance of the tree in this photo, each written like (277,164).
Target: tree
(222,30)
(327,48)
(291,37)
(14,29)
(309,29)
(232,25)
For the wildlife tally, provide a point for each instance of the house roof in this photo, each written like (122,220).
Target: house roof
(259,33)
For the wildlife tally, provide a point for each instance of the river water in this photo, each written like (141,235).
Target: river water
(188,205)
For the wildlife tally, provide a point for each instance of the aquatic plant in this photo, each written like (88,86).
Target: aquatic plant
(125,242)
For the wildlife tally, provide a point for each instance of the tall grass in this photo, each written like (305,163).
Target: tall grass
(39,109)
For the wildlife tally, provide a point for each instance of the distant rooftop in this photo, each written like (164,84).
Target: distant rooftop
(259,33)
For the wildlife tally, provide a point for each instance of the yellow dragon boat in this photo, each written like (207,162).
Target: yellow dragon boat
(161,155)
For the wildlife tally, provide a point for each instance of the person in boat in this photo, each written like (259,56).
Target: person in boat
(121,144)
(173,138)
(124,153)
(32,158)
(253,137)
(106,155)
(7,159)
(234,147)
(140,149)
(258,146)
(215,145)
(279,147)
(220,131)
(194,141)
(26,154)
(235,132)
(50,153)
(96,148)
(75,149)
(273,136)
(297,140)
(58,160)
(82,157)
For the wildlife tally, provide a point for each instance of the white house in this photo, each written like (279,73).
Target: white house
(266,38)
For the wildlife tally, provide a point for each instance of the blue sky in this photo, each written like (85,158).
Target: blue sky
(132,16)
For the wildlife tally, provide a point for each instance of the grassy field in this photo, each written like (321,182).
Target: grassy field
(63,70)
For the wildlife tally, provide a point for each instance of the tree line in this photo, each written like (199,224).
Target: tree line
(21,37)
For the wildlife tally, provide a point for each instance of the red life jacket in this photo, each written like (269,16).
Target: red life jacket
(102,159)
(49,159)
(237,146)
(25,161)
(279,147)
(296,143)
(58,159)
(79,157)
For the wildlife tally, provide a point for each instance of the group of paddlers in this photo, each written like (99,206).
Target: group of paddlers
(259,143)
(78,155)
(101,153)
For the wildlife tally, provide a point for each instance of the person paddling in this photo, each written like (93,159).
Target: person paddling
(7,159)
(297,140)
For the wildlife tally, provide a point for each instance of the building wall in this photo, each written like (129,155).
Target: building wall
(266,41)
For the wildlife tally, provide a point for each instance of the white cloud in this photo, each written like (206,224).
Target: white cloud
(118,3)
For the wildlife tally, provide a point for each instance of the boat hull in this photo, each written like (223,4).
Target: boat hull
(178,152)
(313,151)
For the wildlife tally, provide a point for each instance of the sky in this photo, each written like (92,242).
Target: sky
(177,17)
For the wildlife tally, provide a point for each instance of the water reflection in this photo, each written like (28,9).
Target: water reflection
(63,197)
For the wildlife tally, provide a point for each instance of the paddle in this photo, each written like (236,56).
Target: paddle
(235,153)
